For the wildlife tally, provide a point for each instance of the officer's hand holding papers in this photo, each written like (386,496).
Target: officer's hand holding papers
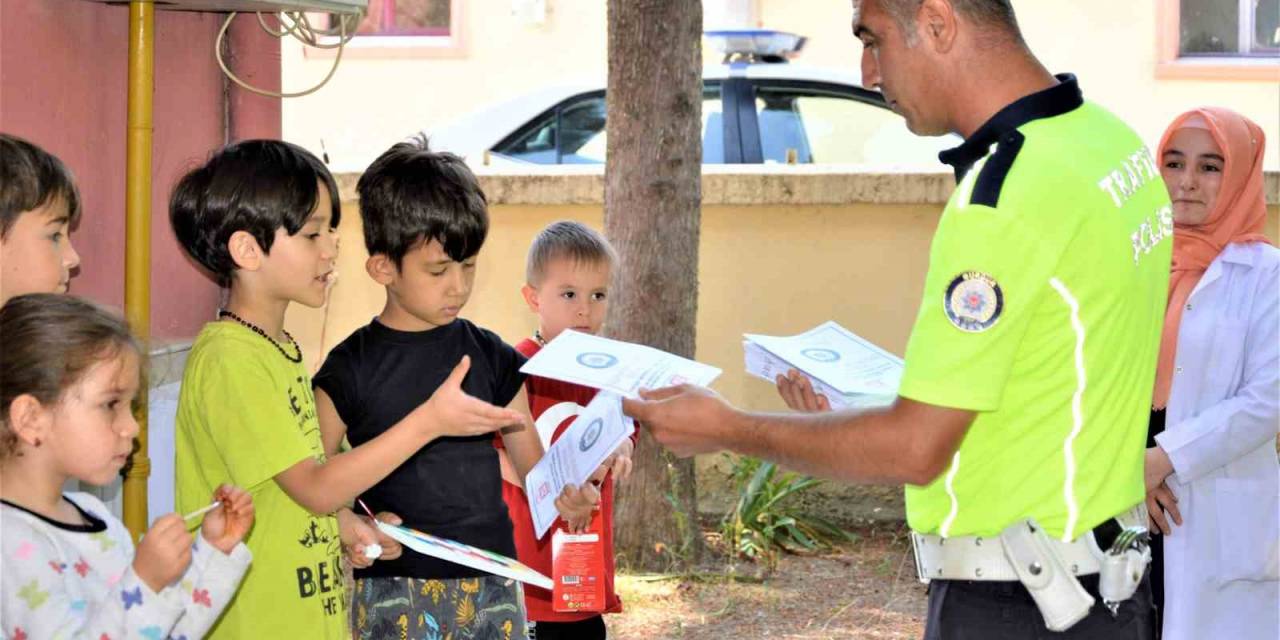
(618,369)
(827,367)
(848,370)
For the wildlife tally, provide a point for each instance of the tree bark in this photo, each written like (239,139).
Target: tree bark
(652,214)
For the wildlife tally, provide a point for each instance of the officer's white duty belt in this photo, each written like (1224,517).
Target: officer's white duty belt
(979,558)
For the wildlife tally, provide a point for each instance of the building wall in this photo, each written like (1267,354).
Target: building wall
(378,97)
(63,75)
(1110,45)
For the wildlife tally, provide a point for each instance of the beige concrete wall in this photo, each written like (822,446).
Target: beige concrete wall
(374,100)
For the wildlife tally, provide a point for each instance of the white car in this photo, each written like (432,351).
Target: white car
(756,108)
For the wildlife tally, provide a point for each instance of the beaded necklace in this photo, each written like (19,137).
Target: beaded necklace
(258,330)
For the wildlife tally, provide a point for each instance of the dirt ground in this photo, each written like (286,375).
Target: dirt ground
(865,589)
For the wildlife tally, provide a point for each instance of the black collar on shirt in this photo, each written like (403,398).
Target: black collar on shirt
(93,524)
(1061,98)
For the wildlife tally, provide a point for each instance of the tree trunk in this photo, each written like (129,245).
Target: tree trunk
(652,200)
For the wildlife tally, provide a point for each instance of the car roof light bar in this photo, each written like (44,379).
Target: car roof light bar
(755,45)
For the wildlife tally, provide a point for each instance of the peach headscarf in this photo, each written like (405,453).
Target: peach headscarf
(1238,216)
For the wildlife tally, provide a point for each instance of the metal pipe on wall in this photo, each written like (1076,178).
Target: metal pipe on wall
(137,265)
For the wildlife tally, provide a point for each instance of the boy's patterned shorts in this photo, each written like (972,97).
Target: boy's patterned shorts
(481,608)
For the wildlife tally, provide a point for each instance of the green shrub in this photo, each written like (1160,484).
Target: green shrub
(764,523)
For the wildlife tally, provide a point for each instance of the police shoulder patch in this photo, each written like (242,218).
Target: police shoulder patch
(973,301)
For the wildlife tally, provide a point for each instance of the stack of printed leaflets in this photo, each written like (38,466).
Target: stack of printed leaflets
(621,367)
(591,438)
(850,371)
(618,369)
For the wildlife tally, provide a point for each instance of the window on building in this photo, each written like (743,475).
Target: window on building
(1229,28)
(407,18)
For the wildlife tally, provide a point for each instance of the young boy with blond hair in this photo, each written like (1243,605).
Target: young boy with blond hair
(567,276)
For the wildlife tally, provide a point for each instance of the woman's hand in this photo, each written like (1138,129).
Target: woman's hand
(1157,467)
(1159,502)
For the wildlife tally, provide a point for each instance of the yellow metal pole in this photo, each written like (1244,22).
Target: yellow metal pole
(137,248)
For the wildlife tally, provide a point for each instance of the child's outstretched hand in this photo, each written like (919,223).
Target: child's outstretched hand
(576,506)
(227,525)
(163,553)
(620,460)
(359,534)
(452,412)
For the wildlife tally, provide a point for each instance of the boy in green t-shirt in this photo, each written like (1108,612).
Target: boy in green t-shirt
(260,217)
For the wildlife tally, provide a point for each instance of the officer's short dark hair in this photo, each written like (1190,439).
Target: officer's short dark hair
(30,178)
(255,186)
(997,14)
(567,239)
(412,195)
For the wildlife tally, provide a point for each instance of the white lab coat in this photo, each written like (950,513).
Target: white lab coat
(1222,565)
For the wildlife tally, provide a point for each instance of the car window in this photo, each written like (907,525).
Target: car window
(574,132)
(537,145)
(828,128)
(582,128)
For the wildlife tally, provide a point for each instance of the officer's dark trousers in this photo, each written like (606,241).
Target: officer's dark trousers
(963,610)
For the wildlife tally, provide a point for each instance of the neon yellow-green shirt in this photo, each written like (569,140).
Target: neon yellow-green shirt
(245,414)
(1042,311)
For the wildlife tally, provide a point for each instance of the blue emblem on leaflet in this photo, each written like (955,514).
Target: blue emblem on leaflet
(592,434)
(596,360)
(973,302)
(821,355)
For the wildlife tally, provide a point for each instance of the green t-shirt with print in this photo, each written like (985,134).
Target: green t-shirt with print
(245,414)
(1042,312)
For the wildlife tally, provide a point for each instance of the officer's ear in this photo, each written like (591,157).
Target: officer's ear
(937,25)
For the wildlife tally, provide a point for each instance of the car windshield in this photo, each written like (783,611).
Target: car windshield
(574,132)
(823,128)
(798,121)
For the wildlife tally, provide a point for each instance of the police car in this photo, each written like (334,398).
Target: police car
(756,109)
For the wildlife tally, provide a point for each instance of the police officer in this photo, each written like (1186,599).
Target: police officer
(1020,422)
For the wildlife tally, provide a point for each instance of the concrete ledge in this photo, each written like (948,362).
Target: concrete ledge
(736,185)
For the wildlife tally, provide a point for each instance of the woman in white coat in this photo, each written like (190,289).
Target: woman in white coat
(1211,470)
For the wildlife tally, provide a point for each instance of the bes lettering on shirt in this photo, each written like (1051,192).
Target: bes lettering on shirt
(323,580)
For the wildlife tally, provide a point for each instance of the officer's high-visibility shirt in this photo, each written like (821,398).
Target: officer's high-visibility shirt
(1042,312)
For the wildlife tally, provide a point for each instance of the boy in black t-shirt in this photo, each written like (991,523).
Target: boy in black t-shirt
(425,219)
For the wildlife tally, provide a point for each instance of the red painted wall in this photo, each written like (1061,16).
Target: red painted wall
(62,86)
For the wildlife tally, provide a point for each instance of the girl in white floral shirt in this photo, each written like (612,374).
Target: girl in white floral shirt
(68,569)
